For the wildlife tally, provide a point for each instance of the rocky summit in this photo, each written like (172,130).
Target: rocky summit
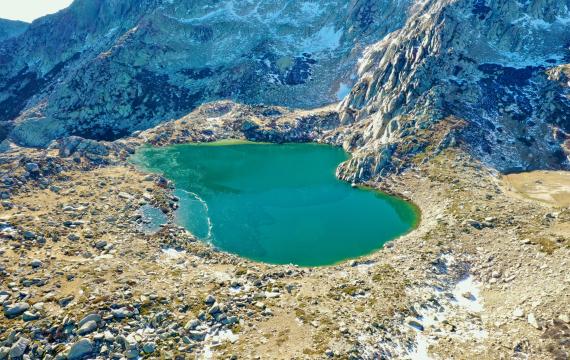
(461,107)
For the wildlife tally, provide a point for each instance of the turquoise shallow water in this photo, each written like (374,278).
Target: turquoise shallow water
(277,203)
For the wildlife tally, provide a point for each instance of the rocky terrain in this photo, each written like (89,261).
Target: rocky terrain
(405,69)
(480,69)
(84,276)
(440,99)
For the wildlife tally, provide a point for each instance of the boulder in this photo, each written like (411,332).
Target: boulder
(4,352)
(90,317)
(16,309)
(149,347)
(32,168)
(36,263)
(19,348)
(87,328)
(30,316)
(80,349)
(122,313)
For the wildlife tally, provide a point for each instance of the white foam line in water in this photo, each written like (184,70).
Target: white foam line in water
(210,224)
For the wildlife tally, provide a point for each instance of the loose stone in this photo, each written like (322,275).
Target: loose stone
(80,349)
(19,348)
(87,328)
(15,309)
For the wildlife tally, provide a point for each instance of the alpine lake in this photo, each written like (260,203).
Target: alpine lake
(277,203)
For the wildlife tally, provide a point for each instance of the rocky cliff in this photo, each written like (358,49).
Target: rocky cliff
(420,75)
(475,72)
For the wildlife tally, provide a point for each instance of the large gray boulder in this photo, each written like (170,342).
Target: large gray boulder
(16,309)
(80,349)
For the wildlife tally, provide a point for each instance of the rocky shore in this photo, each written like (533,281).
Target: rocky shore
(483,276)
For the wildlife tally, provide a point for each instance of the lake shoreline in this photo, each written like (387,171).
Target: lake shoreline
(144,160)
(477,278)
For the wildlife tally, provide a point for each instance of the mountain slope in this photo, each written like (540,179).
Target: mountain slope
(112,67)
(474,69)
(427,74)
(11,28)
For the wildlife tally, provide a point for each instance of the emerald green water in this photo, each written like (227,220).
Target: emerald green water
(278,204)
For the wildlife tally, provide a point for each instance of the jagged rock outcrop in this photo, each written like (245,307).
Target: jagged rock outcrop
(11,28)
(476,70)
(102,69)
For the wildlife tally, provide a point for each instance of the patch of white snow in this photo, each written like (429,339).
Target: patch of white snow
(173,253)
(343,91)
(326,39)
(466,294)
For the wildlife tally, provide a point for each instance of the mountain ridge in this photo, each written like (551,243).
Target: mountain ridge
(416,67)
(11,28)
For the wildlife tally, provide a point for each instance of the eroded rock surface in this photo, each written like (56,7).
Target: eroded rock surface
(476,69)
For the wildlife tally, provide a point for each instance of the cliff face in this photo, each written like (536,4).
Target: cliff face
(104,68)
(475,72)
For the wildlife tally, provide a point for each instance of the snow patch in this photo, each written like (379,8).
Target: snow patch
(468,287)
(326,39)
(421,350)
(173,253)
(343,91)
(216,339)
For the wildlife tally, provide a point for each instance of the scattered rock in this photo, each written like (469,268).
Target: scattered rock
(533,322)
(192,324)
(122,313)
(91,317)
(30,316)
(80,349)
(149,347)
(36,263)
(87,328)
(416,324)
(32,168)
(518,313)
(73,237)
(473,223)
(4,352)
(197,335)
(16,309)
(18,349)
